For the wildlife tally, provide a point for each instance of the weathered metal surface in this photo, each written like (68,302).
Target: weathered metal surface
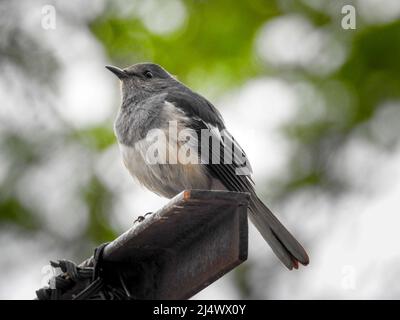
(183,247)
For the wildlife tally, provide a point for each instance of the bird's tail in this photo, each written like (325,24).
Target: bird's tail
(283,244)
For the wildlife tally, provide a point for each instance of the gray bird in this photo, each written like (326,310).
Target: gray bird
(152,99)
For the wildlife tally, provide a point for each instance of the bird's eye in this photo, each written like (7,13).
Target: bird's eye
(148,74)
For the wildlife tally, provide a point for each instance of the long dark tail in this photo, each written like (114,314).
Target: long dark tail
(283,244)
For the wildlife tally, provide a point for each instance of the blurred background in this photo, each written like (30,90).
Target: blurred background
(316,107)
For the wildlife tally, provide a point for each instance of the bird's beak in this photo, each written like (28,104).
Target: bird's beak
(117,71)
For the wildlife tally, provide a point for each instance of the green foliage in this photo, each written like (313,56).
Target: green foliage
(372,69)
(98,199)
(19,150)
(97,138)
(370,75)
(13,212)
(215,44)
(20,155)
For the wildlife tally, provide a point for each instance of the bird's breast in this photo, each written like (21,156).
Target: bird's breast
(163,177)
(160,151)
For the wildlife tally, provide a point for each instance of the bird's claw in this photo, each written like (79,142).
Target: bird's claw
(141,218)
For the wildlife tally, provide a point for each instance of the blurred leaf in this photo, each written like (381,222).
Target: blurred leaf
(98,199)
(21,152)
(12,211)
(98,138)
(242,281)
(373,69)
(216,41)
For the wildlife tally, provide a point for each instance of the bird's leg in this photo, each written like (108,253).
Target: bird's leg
(138,219)
(148,213)
(141,218)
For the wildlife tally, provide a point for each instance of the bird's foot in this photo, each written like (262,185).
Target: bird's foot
(141,218)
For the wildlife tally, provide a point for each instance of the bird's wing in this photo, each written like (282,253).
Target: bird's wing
(228,163)
(194,105)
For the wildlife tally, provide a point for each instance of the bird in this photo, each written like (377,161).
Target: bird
(153,101)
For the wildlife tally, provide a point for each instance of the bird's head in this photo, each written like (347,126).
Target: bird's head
(142,80)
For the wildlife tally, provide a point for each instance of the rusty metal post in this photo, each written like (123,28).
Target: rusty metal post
(182,248)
